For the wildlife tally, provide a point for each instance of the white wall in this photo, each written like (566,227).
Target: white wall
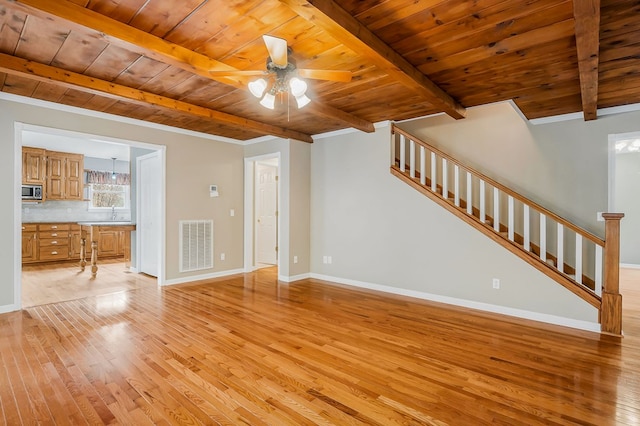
(192,164)
(379,231)
(627,200)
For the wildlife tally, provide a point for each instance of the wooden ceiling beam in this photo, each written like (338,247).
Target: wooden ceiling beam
(48,74)
(143,43)
(587,26)
(337,22)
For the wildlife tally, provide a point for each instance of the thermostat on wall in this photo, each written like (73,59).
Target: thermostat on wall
(213,191)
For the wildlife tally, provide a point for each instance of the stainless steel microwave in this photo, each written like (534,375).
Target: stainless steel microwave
(32,192)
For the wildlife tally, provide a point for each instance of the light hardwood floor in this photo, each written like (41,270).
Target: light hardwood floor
(50,283)
(248,350)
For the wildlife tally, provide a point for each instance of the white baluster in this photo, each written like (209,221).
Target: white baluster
(434,172)
(543,237)
(445,175)
(412,159)
(483,212)
(496,209)
(560,248)
(402,154)
(527,227)
(469,194)
(511,219)
(598,272)
(579,258)
(456,185)
(423,166)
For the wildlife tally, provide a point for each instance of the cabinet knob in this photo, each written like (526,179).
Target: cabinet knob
(54,242)
(54,235)
(54,252)
(54,227)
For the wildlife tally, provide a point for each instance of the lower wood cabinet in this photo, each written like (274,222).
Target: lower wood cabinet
(49,242)
(111,243)
(53,241)
(29,243)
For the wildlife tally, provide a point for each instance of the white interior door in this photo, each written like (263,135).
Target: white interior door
(149,215)
(266,207)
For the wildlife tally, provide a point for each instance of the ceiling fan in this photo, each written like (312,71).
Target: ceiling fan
(281,75)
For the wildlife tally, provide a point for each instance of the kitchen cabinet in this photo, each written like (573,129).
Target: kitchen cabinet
(29,243)
(112,243)
(53,241)
(108,243)
(33,165)
(49,242)
(74,241)
(64,176)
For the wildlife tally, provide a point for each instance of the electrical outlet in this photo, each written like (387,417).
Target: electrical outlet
(496,283)
(329,261)
(599,217)
(324,259)
(295,259)
(232,212)
(222,256)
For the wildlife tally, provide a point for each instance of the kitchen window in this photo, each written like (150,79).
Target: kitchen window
(108,190)
(104,195)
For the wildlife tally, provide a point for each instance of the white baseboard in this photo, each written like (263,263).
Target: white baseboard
(8,308)
(293,278)
(193,278)
(518,313)
(629,265)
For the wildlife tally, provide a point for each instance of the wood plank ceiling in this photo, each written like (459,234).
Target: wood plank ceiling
(151,59)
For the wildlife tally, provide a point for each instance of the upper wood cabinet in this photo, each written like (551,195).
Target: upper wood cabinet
(64,176)
(33,165)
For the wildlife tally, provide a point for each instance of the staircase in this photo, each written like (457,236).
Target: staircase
(578,260)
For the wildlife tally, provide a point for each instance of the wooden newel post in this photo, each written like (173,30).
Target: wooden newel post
(611,311)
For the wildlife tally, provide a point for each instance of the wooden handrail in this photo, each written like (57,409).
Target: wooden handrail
(586,234)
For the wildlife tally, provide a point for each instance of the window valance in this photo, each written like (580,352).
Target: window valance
(97,176)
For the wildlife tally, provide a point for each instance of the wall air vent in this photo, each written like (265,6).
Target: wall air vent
(196,245)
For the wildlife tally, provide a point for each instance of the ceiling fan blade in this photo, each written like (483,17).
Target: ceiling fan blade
(241,73)
(343,76)
(277,48)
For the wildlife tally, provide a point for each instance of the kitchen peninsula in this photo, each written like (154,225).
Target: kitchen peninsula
(107,238)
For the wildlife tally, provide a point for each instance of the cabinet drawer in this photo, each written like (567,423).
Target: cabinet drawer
(53,227)
(29,227)
(54,253)
(60,235)
(55,242)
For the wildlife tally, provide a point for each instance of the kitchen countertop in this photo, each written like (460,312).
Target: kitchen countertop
(83,222)
(105,223)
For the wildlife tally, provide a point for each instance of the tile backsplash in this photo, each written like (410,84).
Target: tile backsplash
(68,211)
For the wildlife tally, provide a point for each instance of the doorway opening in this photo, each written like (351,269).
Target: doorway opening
(262,219)
(624,187)
(54,280)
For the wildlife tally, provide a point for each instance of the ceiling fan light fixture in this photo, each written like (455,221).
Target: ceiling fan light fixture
(302,100)
(258,87)
(269,101)
(298,87)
